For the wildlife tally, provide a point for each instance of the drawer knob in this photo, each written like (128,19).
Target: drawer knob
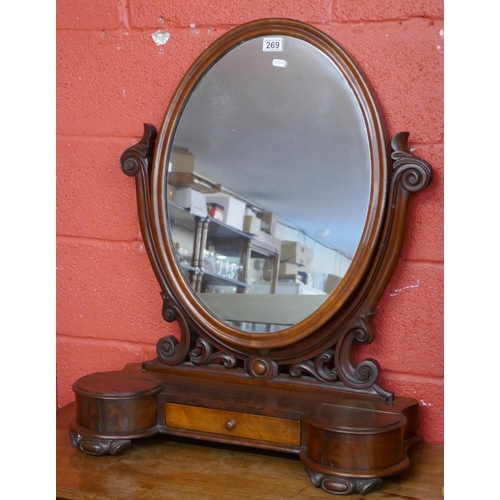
(230,425)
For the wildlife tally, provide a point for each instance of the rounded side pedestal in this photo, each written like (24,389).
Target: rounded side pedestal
(112,408)
(348,450)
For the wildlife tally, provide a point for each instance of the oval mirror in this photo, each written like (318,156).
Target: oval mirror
(270,184)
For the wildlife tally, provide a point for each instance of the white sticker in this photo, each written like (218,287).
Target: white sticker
(273,44)
(279,63)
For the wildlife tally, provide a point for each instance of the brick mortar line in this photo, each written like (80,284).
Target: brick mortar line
(103,342)
(411,377)
(75,241)
(423,262)
(228,26)
(118,138)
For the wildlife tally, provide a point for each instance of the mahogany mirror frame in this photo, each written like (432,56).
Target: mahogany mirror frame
(344,294)
(344,318)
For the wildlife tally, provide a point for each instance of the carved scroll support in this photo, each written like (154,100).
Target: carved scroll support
(360,376)
(317,368)
(170,350)
(205,354)
(136,162)
(410,174)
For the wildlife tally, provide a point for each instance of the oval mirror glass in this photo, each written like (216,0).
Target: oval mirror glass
(270,183)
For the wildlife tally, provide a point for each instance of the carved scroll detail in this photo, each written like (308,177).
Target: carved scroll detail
(99,447)
(317,368)
(364,374)
(169,349)
(414,173)
(204,354)
(139,156)
(342,485)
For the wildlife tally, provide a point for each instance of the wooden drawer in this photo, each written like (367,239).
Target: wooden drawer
(232,423)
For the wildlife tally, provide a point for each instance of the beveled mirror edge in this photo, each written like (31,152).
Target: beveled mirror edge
(363,257)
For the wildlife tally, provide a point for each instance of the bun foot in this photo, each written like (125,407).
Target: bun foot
(342,485)
(95,446)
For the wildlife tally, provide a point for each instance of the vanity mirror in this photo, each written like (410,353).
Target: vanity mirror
(260,126)
(273,213)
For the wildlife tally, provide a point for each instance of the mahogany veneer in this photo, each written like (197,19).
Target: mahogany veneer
(176,468)
(346,444)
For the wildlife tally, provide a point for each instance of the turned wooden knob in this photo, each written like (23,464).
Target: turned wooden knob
(230,425)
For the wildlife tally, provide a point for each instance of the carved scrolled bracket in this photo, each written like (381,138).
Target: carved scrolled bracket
(409,170)
(409,174)
(317,368)
(136,162)
(342,485)
(204,354)
(261,368)
(138,157)
(98,447)
(169,349)
(363,375)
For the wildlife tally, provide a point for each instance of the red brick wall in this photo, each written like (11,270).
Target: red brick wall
(112,77)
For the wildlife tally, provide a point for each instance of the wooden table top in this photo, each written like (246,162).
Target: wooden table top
(164,467)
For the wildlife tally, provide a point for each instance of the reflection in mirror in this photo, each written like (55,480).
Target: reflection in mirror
(269,183)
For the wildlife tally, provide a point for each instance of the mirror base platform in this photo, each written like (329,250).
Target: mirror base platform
(347,444)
